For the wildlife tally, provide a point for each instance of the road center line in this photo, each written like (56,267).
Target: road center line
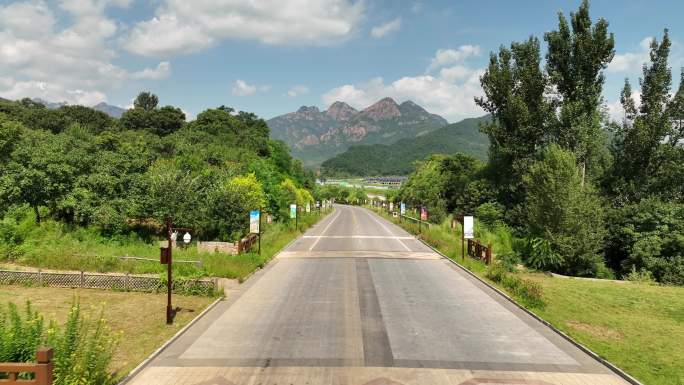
(325,229)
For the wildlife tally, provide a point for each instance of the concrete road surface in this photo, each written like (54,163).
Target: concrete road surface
(357,300)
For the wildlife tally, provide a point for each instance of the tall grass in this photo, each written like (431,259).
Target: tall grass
(55,245)
(83,346)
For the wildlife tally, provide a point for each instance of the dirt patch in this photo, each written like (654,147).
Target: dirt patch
(597,331)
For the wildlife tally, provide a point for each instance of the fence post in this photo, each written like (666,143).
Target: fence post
(126,282)
(489,253)
(82,279)
(44,366)
(40,278)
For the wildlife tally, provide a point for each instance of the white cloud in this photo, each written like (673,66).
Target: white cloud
(297,90)
(242,88)
(448,96)
(162,71)
(41,57)
(386,28)
(631,62)
(445,57)
(615,110)
(181,26)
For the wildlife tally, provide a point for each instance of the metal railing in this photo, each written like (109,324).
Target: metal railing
(41,371)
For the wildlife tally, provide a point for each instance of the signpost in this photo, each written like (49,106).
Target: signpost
(255,225)
(166,258)
(468,232)
(293,215)
(308,208)
(423,213)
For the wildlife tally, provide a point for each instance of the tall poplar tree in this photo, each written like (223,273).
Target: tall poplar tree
(650,136)
(514,85)
(578,53)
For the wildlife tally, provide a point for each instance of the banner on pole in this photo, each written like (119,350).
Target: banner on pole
(308,208)
(391,206)
(468,227)
(423,213)
(293,211)
(254,221)
(402,208)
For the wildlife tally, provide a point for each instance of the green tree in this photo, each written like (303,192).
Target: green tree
(146,101)
(559,210)
(514,86)
(647,147)
(578,53)
(229,206)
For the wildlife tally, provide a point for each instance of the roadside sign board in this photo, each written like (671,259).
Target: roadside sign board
(468,227)
(254,221)
(423,213)
(318,204)
(403,208)
(391,206)
(293,211)
(308,208)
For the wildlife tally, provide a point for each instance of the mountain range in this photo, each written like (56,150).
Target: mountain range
(398,158)
(113,111)
(315,136)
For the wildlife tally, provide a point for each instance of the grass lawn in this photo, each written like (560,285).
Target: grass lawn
(638,327)
(53,245)
(140,317)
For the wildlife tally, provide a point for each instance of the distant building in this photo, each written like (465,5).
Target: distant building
(386,181)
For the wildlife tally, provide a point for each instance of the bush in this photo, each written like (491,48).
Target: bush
(566,213)
(83,348)
(540,255)
(490,213)
(528,292)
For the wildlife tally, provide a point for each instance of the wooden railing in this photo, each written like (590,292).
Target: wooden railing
(42,370)
(479,251)
(246,243)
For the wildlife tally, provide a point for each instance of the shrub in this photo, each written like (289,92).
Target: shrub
(528,292)
(541,256)
(83,347)
(489,213)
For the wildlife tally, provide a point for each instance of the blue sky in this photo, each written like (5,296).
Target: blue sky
(270,57)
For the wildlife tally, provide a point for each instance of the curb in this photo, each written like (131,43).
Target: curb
(178,334)
(156,353)
(621,373)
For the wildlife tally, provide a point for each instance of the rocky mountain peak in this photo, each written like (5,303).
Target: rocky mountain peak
(385,108)
(341,111)
(308,110)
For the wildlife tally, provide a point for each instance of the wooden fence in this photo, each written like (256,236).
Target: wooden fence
(479,251)
(125,282)
(245,244)
(41,371)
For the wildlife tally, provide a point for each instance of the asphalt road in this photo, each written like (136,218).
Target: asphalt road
(357,300)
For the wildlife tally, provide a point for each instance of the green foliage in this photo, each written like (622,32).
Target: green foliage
(539,254)
(648,236)
(559,210)
(578,53)
(490,213)
(514,86)
(83,347)
(399,158)
(526,291)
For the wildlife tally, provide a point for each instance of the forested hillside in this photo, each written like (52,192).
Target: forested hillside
(78,166)
(582,194)
(398,158)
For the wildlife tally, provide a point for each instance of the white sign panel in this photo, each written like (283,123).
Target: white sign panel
(468,228)
(391,206)
(308,208)
(403,208)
